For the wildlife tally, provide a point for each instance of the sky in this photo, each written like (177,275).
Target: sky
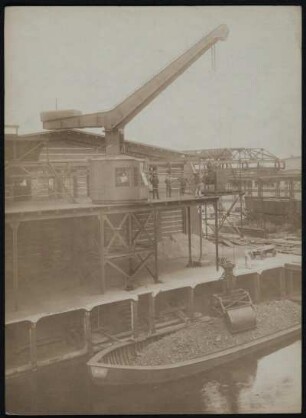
(91,58)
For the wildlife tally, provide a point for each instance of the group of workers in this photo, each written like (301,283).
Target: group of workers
(154,180)
(198,183)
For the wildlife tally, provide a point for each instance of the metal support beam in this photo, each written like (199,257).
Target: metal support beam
(102,253)
(228,212)
(15,226)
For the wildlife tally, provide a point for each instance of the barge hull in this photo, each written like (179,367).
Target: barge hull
(106,374)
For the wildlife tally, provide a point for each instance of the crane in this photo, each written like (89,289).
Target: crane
(113,121)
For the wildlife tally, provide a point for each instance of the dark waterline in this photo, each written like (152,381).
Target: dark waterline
(267,383)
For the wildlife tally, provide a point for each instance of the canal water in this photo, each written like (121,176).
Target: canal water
(267,383)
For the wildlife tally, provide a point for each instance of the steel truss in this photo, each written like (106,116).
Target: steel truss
(129,236)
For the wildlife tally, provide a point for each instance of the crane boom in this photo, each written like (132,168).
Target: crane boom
(115,119)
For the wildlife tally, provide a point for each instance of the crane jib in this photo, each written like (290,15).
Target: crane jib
(120,115)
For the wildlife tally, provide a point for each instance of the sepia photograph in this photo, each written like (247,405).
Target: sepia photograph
(153,210)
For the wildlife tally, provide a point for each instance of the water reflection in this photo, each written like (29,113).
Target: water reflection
(221,394)
(269,383)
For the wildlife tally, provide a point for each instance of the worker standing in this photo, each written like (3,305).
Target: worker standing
(183,183)
(168,185)
(197,185)
(155,182)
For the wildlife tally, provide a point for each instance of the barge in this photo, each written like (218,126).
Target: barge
(112,366)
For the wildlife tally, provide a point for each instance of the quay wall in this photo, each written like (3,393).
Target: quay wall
(48,339)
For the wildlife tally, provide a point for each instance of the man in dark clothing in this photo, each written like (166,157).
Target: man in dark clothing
(168,185)
(183,183)
(155,182)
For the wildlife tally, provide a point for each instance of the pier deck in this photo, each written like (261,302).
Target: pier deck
(173,275)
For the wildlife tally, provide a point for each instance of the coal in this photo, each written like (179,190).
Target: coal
(204,337)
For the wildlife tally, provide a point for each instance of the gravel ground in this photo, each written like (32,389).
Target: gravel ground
(210,334)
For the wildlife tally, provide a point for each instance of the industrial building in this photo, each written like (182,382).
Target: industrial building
(84,233)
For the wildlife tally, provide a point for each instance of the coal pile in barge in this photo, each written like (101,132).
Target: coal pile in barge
(210,334)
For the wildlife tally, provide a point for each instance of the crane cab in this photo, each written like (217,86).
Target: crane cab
(117,179)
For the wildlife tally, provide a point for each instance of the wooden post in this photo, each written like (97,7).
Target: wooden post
(216,235)
(190,302)
(33,345)
(134,318)
(102,253)
(189,237)
(15,226)
(152,328)
(257,290)
(282,282)
(155,215)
